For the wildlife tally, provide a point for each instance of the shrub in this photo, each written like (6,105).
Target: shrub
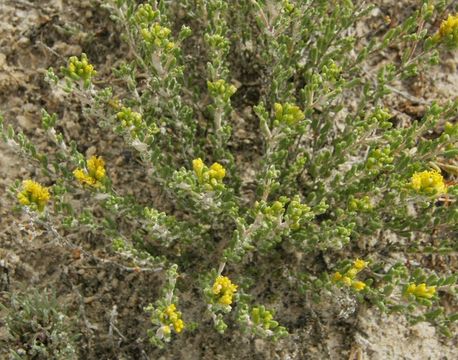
(38,328)
(335,173)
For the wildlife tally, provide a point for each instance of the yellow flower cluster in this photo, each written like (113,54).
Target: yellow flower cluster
(348,279)
(33,194)
(80,69)
(224,290)
(448,31)
(158,36)
(170,317)
(360,264)
(129,118)
(421,290)
(94,174)
(211,176)
(145,14)
(430,182)
(288,113)
(362,204)
(221,88)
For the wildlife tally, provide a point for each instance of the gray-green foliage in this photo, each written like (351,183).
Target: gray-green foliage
(38,328)
(332,166)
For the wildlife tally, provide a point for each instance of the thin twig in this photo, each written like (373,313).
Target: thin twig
(69,245)
(113,321)
(406,95)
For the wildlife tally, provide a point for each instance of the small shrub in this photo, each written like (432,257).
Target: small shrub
(332,167)
(38,328)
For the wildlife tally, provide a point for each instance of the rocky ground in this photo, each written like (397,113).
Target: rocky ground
(37,34)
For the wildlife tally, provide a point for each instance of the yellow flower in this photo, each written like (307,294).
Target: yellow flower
(337,276)
(166,330)
(198,166)
(352,272)
(178,325)
(288,113)
(224,289)
(171,317)
(96,167)
(430,182)
(169,310)
(449,27)
(94,174)
(358,285)
(80,68)
(225,299)
(217,171)
(209,176)
(346,280)
(421,290)
(156,35)
(170,46)
(83,178)
(129,118)
(359,264)
(33,194)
